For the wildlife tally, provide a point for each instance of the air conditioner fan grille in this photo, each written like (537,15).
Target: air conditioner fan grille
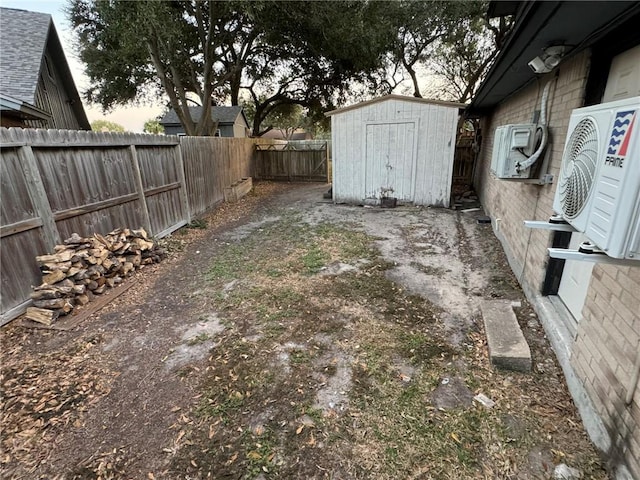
(578,167)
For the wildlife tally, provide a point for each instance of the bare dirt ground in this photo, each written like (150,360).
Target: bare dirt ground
(293,338)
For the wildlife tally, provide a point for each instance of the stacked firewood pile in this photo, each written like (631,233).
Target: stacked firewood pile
(84,267)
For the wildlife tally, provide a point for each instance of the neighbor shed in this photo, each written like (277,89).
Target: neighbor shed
(395,147)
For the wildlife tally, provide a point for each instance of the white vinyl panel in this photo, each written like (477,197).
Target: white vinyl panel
(344,164)
(403,160)
(353,154)
(420,178)
(374,173)
(430,145)
(437,154)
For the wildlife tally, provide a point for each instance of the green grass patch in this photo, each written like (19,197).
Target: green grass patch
(314,259)
(198,339)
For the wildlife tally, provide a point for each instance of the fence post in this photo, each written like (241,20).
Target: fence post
(184,197)
(326,161)
(38,196)
(140,188)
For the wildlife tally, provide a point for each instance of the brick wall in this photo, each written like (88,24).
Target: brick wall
(605,357)
(605,352)
(511,202)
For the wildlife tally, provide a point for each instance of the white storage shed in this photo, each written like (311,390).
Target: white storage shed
(395,147)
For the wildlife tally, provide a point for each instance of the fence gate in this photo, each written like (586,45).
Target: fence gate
(463,161)
(292,163)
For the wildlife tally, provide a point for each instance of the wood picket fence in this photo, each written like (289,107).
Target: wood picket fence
(57,182)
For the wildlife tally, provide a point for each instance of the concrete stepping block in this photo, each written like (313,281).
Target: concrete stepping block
(508,348)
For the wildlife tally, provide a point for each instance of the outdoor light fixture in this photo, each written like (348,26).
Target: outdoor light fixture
(549,59)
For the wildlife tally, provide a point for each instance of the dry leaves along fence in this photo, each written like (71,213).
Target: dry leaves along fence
(59,182)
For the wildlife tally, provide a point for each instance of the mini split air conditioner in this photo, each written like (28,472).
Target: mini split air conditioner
(599,186)
(512,144)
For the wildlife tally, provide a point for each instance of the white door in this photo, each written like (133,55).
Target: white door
(575,280)
(390,153)
(624,76)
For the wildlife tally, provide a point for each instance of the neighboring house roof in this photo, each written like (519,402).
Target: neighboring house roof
(540,24)
(222,115)
(21,109)
(279,134)
(24,37)
(395,97)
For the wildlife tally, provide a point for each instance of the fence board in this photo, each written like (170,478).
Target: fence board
(19,270)
(464,159)
(57,182)
(309,164)
(210,165)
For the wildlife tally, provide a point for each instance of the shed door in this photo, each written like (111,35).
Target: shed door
(390,160)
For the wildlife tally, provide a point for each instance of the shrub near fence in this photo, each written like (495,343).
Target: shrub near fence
(57,182)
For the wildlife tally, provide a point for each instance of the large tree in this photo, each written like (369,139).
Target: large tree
(106,126)
(462,60)
(422,26)
(282,53)
(135,48)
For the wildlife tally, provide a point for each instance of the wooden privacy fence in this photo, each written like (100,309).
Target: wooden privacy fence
(211,164)
(57,182)
(272,162)
(464,158)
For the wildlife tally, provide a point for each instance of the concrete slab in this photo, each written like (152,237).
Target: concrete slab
(508,348)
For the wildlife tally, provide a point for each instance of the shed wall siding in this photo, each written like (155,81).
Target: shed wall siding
(435,132)
(239,130)
(607,342)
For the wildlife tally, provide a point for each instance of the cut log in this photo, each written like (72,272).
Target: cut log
(67,307)
(52,303)
(127,267)
(82,299)
(81,275)
(80,256)
(53,266)
(41,315)
(140,233)
(53,277)
(45,294)
(63,256)
(66,283)
(134,259)
(73,271)
(108,263)
(101,239)
(82,267)
(142,244)
(74,239)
